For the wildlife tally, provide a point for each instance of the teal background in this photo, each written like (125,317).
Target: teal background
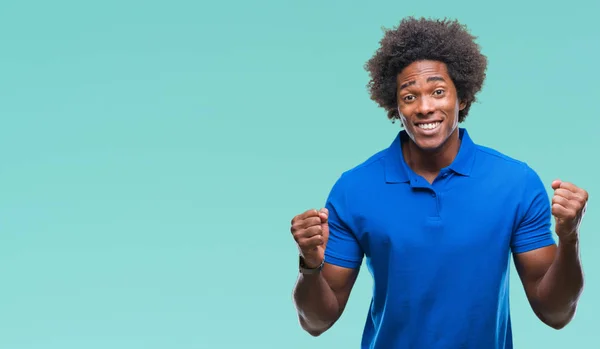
(154,153)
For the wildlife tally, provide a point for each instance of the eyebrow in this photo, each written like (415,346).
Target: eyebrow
(429,79)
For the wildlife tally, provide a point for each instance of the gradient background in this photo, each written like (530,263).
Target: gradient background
(154,153)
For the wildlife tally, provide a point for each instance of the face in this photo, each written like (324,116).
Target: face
(428,104)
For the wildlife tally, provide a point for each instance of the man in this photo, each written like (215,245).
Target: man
(437,216)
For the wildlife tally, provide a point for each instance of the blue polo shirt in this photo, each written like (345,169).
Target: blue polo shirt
(439,253)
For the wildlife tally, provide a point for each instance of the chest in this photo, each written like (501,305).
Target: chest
(407,220)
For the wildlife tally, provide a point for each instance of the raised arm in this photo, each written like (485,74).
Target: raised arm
(320,294)
(320,299)
(552,276)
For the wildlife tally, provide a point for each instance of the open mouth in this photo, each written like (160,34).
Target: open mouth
(429,126)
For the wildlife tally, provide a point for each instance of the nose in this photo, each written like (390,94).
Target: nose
(425,106)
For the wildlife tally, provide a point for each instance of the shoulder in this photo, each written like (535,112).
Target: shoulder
(360,177)
(491,155)
(514,173)
(373,166)
(491,160)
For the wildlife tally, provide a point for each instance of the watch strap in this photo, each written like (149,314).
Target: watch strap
(308,271)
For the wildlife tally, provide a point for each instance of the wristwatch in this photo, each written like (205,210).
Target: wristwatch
(305,270)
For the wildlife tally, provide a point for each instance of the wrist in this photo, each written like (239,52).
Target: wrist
(307,266)
(573,239)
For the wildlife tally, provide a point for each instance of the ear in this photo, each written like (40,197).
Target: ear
(462,105)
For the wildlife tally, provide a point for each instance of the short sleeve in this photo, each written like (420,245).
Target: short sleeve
(535,216)
(343,249)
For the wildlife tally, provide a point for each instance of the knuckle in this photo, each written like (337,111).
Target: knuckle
(303,243)
(309,222)
(299,233)
(311,231)
(311,212)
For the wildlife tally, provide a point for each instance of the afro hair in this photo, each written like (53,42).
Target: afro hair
(412,40)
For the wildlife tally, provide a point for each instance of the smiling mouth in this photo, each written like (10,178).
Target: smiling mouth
(429,125)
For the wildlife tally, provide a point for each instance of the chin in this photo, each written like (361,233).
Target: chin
(431,140)
(429,144)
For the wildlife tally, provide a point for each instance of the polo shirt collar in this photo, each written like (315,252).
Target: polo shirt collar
(463,162)
(397,171)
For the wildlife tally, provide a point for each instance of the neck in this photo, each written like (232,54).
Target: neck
(428,163)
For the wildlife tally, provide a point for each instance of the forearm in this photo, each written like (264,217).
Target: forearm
(316,303)
(559,290)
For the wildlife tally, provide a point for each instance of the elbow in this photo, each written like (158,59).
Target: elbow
(558,325)
(313,332)
(558,321)
(314,329)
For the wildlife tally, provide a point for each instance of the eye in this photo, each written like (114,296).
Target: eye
(408,98)
(438,92)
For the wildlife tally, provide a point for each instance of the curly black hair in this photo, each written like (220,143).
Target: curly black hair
(414,39)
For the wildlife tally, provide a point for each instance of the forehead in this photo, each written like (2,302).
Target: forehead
(420,70)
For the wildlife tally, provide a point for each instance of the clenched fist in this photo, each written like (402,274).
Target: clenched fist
(568,207)
(311,232)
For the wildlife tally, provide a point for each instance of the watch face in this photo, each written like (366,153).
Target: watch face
(306,270)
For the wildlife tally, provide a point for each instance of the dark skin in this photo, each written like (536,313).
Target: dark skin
(427,96)
(553,276)
(428,105)
(320,299)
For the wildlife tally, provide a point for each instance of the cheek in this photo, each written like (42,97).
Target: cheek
(399,110)
(404,111)
(451,107)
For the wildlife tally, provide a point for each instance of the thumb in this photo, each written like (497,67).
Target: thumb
(557,220)
(556,184)
(560,224)
(324,214)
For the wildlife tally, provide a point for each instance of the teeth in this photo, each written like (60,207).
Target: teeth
(429,126)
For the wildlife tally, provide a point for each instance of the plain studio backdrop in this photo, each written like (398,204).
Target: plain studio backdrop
(153,155)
